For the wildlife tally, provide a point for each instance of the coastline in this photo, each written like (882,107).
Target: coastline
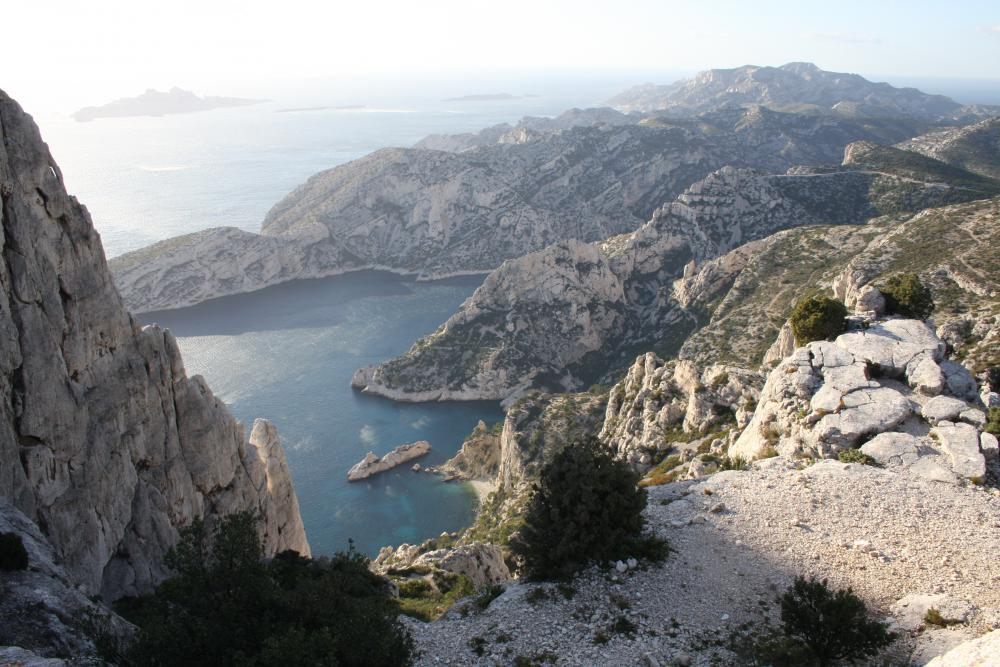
(482,488)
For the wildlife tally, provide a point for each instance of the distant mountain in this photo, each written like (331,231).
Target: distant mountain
(154,103)
(794,87)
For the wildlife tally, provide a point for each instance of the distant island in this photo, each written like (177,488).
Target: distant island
(345,107)
(154,103)
(489,97)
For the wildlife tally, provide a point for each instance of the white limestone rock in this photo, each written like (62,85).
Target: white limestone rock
(961,443)
(893,344)
(372,464)
(108,443)
(869,302)
(942,408)
(893,449)
(925,375)
(980,652)
(989,447)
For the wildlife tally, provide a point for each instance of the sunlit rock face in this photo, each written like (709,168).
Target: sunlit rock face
(105,442)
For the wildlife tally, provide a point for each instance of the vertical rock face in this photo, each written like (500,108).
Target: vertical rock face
(104,440)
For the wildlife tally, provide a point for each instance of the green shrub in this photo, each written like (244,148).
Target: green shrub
(905,295)
(933,617)
(585,507)
(993,422)
(832,625)
(488,595)
(817,318)
(855,456)
(13,555)
(226,605)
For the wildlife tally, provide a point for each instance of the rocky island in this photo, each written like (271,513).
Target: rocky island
(156,103)
(372,464)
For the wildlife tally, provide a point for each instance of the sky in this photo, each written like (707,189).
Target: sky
(70,53)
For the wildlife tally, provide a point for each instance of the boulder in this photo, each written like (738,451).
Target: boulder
(988,446)
(961,443)
(942,408)
(893,449)
(924,375)
(981,652)
(929,469)
(870,302)
(864,411)
(893,344)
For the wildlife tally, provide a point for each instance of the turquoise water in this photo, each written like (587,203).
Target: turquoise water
(288,353)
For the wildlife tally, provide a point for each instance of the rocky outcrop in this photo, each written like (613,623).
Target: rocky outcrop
(372,464)
(105,441)
(482,564)
(792,85)
(658,406)
(41,609)
(864,391)
(479,456)
(484,198)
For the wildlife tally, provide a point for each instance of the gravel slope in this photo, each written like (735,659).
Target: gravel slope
(740,537)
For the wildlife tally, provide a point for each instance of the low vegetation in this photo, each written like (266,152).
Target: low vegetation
(831,625)
(855,456)
(905,295)
(586,506)
(227,605)
(817,318)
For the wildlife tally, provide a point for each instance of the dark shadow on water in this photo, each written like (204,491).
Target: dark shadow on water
(299,304)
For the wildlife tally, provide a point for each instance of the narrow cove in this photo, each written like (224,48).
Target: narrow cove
(287,353)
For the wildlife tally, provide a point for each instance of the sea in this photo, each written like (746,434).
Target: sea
(287,352)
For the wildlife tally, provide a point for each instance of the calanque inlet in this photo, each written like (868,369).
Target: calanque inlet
(744,330)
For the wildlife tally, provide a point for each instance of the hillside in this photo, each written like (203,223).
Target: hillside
(585,176)
(564,317)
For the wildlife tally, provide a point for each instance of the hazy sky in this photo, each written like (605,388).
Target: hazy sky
(75,52)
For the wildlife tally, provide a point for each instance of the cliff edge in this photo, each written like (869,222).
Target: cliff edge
(105,442)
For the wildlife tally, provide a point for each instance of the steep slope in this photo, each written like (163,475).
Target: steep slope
(975,147)
(561,318)
(794,86)
(583,176)
(104,440)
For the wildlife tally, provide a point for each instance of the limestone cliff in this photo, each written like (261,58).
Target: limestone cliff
(563,317)
(477,200)
(105,442)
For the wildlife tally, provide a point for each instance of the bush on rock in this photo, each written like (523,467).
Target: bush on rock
(817,318)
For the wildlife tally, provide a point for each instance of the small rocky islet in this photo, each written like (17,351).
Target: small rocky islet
(653,312)
(372,464)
